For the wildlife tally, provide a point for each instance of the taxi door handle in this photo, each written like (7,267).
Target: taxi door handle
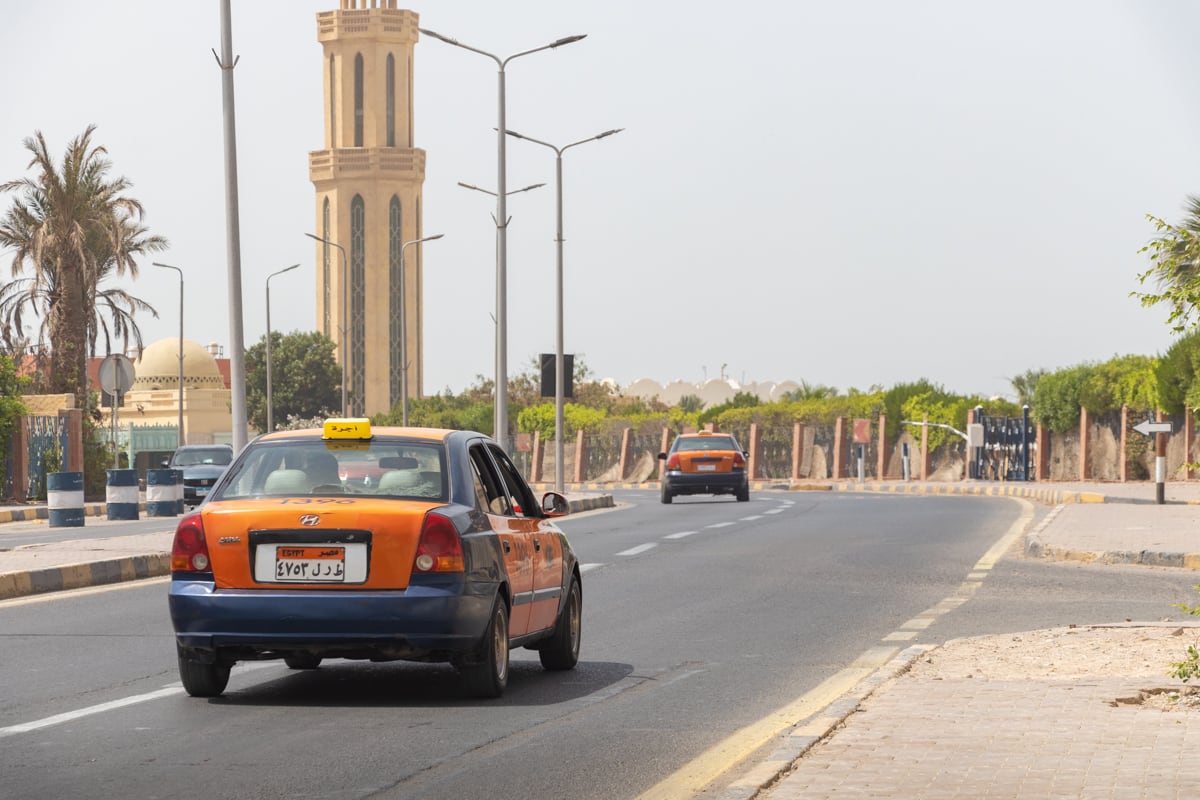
(507,547)
(537,546)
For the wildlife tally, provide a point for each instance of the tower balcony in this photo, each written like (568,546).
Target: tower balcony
(400,163)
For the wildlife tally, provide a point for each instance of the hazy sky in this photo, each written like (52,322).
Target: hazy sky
(846,193)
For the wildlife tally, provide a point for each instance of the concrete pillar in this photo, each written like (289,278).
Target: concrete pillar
(626,444)
(925,449)
(839,448)
(1123,465)
(1041,468)
(580,456)
(535,468)
(1189,440)
(662,448)
(881,467)
(1085,469)
(797,449)
(755,464)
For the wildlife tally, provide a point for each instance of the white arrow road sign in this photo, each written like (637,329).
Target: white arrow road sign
(1147,427)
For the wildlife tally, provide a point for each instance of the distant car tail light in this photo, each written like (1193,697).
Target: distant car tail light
(673,461)
(738,461)
(439,548)
(189,550)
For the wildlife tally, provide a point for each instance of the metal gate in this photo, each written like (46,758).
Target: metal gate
(1009,449)
(48,450)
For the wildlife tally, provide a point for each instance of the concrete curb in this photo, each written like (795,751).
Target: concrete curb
(32,513)
(79,576)
(1045,496)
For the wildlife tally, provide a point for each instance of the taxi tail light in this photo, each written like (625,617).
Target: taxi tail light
(673,461)
(439,549)
(738,461)
(189,549)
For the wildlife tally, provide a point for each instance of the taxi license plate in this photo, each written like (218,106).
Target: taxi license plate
(310,564)
(706,468)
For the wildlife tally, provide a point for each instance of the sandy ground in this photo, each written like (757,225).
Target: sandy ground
(1076,653)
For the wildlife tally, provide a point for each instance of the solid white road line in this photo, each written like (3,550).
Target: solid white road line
(58,719)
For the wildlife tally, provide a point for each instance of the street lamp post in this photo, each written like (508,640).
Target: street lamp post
(270,408)
(179,438)
(559,366)
(501,423)
(344,328)
(404,330)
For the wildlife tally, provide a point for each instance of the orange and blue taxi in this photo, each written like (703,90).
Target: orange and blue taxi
(445,555)
(705,463)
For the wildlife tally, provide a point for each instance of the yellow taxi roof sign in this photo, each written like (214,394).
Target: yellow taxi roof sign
(347,429)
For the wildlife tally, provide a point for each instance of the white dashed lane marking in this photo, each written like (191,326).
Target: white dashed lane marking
(720,525)
(641,548)
(750,519)
(680,535)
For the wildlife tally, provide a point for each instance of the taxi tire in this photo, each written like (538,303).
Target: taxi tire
(666,495)
(743,494)
(200,679)
(488,677)
(561,650)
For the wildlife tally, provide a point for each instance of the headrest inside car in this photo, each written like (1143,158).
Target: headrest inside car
(398,462)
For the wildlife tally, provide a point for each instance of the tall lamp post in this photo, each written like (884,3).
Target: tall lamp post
(344,328)
(559,367)
(270,408)
(501,424)
(177,269)
(404,330)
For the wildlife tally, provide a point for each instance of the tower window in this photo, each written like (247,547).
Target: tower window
(358,301)
(333,112)
(395,296)
(391,100)
(358,100)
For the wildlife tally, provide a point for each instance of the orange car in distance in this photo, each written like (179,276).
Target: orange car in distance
(705,463)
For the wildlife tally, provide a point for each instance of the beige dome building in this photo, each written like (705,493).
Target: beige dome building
(150,416)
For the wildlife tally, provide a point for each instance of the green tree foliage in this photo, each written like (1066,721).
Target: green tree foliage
(11,407)
(1059,396)
(72,226)
(740,400)
(305,378)
(691,404)
(1121,381)
(1174,267)
(810,391)
(1025,384)
(1178,375)
(468,411)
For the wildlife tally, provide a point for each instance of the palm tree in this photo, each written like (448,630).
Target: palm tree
(73,226)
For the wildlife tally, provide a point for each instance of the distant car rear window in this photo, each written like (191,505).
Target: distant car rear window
(705,443)
(192,456)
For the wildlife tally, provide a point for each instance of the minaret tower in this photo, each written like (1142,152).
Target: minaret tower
(368,184)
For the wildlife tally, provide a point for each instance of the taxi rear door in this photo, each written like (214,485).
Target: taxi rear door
(543,538)
(513,532)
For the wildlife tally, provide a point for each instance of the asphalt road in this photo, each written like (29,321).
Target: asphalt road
(701,620)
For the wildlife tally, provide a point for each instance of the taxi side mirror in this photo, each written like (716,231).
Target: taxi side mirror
(555,505)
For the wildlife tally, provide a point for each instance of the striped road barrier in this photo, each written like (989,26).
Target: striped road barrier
(121,494)
(64,499)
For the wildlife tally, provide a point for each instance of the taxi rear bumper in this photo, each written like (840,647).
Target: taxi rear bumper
(706,482)
(421,622)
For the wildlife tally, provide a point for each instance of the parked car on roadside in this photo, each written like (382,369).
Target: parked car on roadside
(202,464)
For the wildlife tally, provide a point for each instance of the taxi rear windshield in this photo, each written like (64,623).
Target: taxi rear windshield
(409,470)
(705,443)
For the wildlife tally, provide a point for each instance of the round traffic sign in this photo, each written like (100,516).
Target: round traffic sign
(116,374)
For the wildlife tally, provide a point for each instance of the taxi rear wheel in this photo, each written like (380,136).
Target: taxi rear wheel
(561,650)
(200,679)
(489,675)
(666,494)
